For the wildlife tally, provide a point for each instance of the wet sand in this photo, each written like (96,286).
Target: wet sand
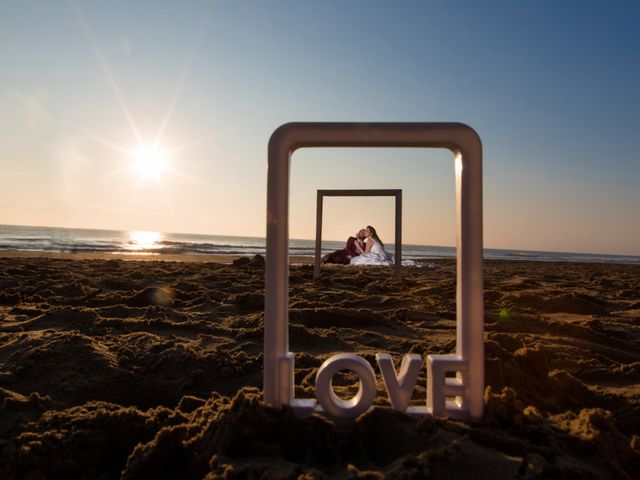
(117,368)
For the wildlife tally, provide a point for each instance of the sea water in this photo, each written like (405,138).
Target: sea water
(80,240)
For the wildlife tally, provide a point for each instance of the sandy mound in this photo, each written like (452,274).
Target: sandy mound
(124,369)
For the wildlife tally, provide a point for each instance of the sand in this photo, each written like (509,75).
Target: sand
(149,369)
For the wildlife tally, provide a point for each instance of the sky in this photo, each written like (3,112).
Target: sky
(156,115)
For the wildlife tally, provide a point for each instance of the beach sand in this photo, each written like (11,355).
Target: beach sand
(114,368)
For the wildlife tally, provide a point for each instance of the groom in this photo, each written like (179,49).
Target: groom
(350,250)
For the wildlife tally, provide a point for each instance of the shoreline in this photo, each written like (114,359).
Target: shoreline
(171,257)
(226,259)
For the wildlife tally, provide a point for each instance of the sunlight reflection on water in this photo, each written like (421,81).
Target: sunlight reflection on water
(140,241)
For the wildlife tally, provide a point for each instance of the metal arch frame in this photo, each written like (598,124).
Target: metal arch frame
(396,192)
(468,361)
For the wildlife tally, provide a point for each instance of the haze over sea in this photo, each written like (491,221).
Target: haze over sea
(78,240)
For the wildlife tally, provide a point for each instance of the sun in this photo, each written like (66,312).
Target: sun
(150,162)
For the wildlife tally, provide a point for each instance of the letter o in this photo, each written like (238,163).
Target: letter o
(360,403)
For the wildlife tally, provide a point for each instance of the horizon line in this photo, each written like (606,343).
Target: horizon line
(485,248)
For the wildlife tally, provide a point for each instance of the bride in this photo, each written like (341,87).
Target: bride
(374,253)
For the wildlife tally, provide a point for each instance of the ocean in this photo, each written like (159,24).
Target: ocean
(78,240)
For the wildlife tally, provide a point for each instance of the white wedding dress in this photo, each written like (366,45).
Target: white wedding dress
(376,256)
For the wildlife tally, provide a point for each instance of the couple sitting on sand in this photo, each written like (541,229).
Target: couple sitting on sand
(365,248)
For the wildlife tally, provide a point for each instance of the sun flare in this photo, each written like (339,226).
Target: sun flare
(150,162)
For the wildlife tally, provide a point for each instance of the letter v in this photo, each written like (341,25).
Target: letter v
(399,387)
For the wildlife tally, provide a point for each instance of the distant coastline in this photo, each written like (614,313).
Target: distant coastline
(159,245)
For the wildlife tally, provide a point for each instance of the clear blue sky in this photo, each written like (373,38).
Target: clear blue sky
(552,88)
